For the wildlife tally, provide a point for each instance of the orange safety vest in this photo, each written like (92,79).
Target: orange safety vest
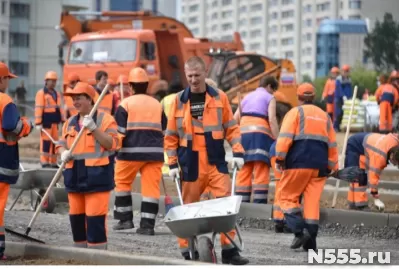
(387,93)
(107,104)
(9,160)
(90,169)
(376,148)
(307,140)
(140,121)
(218,124)
(48,110)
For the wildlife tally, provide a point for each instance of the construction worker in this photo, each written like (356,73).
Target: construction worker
(141,122)
(49,113)
(329,90)
(107,104)
(387,97)
(371,152)
(125,89)
(259,129)
(199,121)
(12,129)
(70,110)
(306,153)
(343,91)
(278,215)
(88,174)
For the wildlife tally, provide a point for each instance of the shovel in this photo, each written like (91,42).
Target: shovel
(51,138)
(57,176)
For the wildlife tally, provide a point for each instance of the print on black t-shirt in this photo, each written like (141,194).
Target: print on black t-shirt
(197,103)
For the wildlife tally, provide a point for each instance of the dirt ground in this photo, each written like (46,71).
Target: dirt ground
(35,261)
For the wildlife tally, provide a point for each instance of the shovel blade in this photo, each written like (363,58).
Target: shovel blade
(24,236)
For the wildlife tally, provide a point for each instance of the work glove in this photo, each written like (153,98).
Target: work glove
(89,123)
(39,127)
(237,162)
(66,156)
(173,173)
(379,204)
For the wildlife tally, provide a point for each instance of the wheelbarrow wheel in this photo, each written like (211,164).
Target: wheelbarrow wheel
(49,205)
(206,250)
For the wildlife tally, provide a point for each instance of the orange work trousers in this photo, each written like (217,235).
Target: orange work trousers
(330,110)
(125,174)
(385,117)
(260,186)
(208,178)
(48,155)
(88,218)
(357,195)
(293,183)
(278,215)
(4,190)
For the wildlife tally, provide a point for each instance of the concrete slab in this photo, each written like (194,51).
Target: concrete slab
(393,220)
(351,217)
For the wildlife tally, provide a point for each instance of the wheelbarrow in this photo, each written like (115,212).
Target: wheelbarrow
(212,216)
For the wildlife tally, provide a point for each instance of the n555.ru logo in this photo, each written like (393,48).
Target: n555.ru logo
(350,256)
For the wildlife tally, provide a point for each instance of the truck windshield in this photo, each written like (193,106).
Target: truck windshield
(215,69)
(102,50)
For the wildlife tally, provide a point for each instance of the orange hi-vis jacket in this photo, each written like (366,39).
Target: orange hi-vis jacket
(12,128)
(328,94)
(218,124)
(48,108)
(107,104)
(387,93)
(376,148)
(141,122)
(91,169)
(307,140)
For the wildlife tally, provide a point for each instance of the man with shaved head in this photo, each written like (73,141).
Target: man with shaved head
(199,121)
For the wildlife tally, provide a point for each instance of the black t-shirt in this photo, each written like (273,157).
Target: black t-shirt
(197,102)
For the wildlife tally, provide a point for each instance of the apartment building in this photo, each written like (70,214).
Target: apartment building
(278,28)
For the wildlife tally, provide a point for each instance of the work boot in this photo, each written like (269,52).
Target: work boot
(186,256)
(145,231)
(287,230)
(299,240)
(279,228)
(310,244)
(124,225)
(233,257)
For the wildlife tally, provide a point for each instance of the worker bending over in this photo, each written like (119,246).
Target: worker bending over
(49,113)
(107,104)
(12,129)
(343,91)
(387,97)
(88,174)
(70,109)
(329,90)
(199,121)
(259,129)
(306,152)
(371,152)
(140,122)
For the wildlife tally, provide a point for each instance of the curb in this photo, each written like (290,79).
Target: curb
(99,257)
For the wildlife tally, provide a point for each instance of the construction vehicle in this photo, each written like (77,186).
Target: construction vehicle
(116,41)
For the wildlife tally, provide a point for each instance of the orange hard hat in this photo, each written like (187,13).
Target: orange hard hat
(334,70)
(83,88)
(345,67)
(5,72)
(73,77)
(305,89)
(51,75)
(124,79)
(138,75)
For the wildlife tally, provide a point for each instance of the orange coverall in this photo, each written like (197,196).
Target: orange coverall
(387,96)
(328,95)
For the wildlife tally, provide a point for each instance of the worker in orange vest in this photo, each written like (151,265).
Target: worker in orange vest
(70,110)
(306,153)
(199,121)
(88,174)
(329,90)
(141,122)
(49,113)
(107,104)
(125,89)
(12,129)
(387,97)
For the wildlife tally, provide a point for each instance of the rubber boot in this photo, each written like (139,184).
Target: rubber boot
(146,227)
(300,239)
(310,244)
(287,230)
(186,256)
(124,225)
(279,228)
(233,257)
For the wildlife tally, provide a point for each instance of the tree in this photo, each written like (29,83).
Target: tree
(382,44)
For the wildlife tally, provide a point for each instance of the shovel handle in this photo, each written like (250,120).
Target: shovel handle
(61,168)
(49,136)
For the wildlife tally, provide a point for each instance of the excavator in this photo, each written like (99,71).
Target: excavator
(116,41)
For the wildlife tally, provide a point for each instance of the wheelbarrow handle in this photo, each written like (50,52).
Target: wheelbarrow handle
(177,182)
(233,182)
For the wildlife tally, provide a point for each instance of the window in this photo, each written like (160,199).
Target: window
(3,7)
(214,27)
(192,19)
(193,8)
(226,2)
(243,9)
(307,9)
(195,31)
(103,50)
(308,65)
(307,37)
(214,15)
(274,15)
(288,27)
(308,23)
(242,22)
(273,3)
(355,17)
(227,14)
(3,37)
(289,54)
(255,33)
(19,40)
(287,14)
(323,7)
(20,68)
(255,46)
(19,10)
(243,34)
(287,2)
(215,3)
(287,41)
(256,20)
(273,29)
(227,26)
(355,4)
(273,42)
(257,7)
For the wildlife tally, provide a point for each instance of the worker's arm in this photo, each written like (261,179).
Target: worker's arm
(377,163)
(286,136)
(13,123)
(325,91)
(231,128)
(107,134)
(332,147)
(172,136)
(396,97)
(39,107)
(121,120)
(237,115)
(273,117)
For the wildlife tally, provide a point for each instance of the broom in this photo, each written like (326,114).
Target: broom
(167,200)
